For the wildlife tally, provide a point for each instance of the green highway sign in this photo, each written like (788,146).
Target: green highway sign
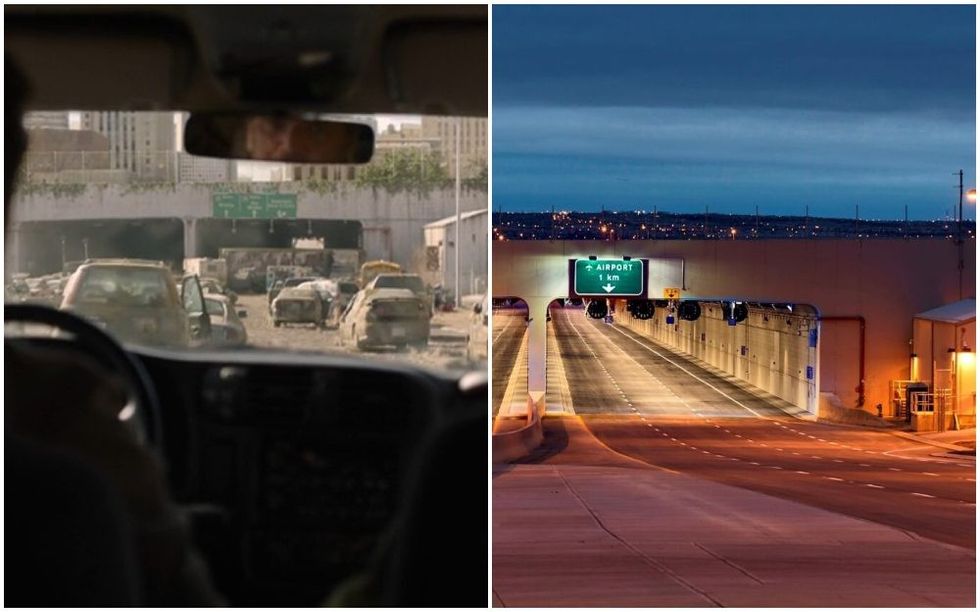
(608,277)
(253,205)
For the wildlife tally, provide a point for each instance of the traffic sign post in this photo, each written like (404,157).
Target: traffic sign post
(608,277)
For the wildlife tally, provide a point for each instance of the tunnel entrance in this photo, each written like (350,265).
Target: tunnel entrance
(44,246)
(211,235)
(767,349)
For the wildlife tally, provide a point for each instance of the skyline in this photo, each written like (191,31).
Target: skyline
(880,118)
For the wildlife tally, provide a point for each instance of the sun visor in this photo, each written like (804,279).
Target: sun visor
(100,61)
(437,67)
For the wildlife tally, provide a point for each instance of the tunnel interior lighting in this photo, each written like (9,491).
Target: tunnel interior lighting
(597,309)
(689,311)
(640,309)
(592,258)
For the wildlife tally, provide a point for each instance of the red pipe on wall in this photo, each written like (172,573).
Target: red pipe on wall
(861,324)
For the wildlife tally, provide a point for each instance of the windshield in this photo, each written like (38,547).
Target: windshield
(110,185)
(116,285)
(413,283)
(214,307)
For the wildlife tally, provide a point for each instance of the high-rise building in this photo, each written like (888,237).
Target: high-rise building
(142,143)
(194,169)
(472,142)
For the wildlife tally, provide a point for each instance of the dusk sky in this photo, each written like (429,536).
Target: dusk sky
(632,107)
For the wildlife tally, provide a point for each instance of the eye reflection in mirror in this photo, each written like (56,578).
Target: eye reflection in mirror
(278,138)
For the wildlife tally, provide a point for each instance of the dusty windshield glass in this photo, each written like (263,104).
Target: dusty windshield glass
(110,210)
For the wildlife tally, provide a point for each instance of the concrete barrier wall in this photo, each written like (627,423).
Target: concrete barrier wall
(393,222)
(776,348)
(513,444)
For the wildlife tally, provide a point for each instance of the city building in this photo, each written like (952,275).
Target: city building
(194,169)
(472,142)
(142,143)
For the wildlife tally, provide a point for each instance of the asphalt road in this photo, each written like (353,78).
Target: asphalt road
(653,405)
(509,328)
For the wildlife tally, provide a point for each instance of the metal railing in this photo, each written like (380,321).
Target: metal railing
(937,402)
(899,397)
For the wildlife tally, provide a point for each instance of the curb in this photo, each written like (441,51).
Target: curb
(908,436)
(952,456)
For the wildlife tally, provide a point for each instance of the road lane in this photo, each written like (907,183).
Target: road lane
(509,328)
(647,404)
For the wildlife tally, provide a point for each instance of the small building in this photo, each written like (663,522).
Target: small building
(944,358)
(440,252)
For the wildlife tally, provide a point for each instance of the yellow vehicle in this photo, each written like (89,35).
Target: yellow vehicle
(371,269)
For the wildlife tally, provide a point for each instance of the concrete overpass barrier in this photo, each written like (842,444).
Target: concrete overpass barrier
(510,445)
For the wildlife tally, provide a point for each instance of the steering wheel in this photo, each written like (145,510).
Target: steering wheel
(142,410)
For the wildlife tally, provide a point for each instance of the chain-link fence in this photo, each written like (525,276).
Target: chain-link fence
(101,166)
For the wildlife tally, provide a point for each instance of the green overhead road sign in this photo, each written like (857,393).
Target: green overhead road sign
(608,277)
(254,205)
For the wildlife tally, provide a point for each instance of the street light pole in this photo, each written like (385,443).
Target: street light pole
(959,223)
(959,238)
(458,248)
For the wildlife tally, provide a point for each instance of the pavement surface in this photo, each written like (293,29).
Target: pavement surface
(509,329)
(588,526)
(674,486)
(464,355)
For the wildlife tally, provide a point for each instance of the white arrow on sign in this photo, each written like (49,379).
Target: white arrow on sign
(608,287)
(588,268)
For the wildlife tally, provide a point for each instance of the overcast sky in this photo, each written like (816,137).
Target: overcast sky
(732,107)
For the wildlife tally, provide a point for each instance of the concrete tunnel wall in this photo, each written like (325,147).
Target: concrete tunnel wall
(777,352)
(884,281)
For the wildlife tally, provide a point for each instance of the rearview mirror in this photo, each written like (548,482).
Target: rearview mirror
(278,138)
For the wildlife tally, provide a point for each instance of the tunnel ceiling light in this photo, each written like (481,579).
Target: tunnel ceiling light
(626,258)
(592,258)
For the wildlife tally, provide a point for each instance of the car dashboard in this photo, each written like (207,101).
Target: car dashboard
(291,468)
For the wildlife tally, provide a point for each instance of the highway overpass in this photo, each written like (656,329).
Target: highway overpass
(862,296)
(174,221)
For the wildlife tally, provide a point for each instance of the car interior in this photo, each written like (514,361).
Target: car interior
(303,479)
